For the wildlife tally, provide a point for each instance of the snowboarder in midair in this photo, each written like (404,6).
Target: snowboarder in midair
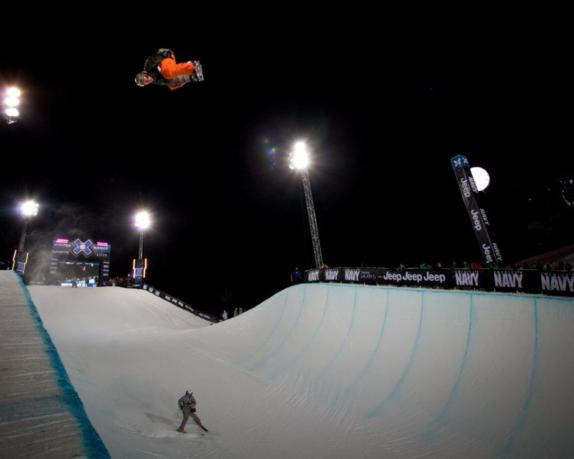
(162,69)
(187,405)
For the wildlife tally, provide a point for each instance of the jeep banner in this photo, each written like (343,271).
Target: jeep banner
(498,280)
(381,276)
(478,218)
(417,278)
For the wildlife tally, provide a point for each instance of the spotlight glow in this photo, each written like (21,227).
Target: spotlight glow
(299,158)
(142,220)
(13,92)
(12,112)
(29,208)
(11,101)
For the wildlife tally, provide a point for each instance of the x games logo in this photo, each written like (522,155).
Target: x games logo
(82,247)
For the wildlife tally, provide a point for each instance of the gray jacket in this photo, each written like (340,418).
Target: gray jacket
(187,402)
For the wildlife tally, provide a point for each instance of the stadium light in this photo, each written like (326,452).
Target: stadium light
(12,112)
(28,209)
(13,92)
(142,222)
(299,159)
(10,103)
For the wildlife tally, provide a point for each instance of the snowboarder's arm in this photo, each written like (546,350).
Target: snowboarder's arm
(170,69)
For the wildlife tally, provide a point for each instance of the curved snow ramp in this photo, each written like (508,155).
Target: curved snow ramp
(394,372)
(324,371)
(41,415)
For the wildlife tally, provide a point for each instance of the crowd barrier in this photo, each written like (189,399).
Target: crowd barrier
(179,303)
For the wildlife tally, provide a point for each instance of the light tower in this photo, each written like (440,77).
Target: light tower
(28,209)
(142,222)
(300,161)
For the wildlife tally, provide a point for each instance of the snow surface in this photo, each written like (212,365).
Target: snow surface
(323,371)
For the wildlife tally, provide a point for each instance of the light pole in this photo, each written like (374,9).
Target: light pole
(142,221)
(299,160)
(28,209)
(10,103)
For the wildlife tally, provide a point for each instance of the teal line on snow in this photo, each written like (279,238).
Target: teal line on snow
(275,326)
(305,349)
(523,414)
(455,388)
(365,370)
(398,386)
(278,349)
(343,345)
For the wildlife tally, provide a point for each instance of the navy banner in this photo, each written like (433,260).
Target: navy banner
(499,280)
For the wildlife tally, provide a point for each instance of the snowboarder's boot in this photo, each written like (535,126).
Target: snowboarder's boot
(197,74)
(181,430)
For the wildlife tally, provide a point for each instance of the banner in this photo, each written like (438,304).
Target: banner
(491,280)
(416,278)
(478,218)
(557,283)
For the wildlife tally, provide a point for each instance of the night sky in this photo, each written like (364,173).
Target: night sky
(382,112)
